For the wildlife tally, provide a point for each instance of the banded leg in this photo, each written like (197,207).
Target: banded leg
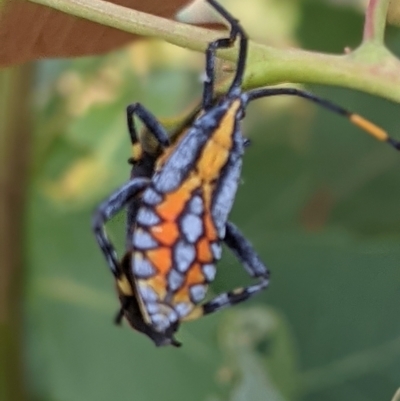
(246,254)
(150,122)
(225,43)
(361,122)
(109,208)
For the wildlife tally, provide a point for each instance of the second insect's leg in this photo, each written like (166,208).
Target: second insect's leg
(150,122)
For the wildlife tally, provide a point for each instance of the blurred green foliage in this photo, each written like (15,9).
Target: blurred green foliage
(319,201)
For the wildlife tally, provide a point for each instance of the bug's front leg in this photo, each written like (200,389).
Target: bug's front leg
(109,208)
(150,122)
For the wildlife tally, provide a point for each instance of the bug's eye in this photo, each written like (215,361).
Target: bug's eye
(132,161)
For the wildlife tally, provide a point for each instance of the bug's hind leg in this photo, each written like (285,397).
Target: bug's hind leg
(224,43)
(246,254)
(109,208)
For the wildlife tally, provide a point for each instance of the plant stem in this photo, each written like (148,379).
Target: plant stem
(373,69)
(375,21)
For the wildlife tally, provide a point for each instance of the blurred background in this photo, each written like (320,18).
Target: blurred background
(318,199)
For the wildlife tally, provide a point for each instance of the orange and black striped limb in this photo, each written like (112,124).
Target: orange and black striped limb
(367,126)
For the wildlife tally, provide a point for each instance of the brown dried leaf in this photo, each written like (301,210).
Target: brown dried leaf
(30,31)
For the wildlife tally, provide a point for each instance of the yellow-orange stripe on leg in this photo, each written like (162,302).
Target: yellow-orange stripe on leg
(369,127)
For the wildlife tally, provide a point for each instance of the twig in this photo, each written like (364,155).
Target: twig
(375,21)
(374,69)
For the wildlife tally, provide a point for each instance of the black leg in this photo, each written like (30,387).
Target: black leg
(149,120)
(244,251)
(109,208)
(119,315)
(208,88)
(235,31)
(246,254)
(367,126)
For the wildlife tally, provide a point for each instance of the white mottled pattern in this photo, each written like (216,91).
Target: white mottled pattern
(146,292)
(142,240)
(175,280)
(192,227)
(184,255)
(152,307)
(147,217)
(209,272)
(182,158)
(216,250)
(151,197)
(168,180)
(183,308)
(197,293)
(142,267)
(196,205)
(225,195)
(172,316)
(160,322)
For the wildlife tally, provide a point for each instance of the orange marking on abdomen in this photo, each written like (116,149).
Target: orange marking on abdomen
(173,205)
(159,285)
(194,275)
(174,202)
(204,254)
(166,233)
(216,151)
(161,259)
(182,295)
(212,160)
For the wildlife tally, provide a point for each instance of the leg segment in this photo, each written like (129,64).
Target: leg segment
(367,126)
(109,208)
(150,122)
(246,254)
(244,251)
(236,30)
(119,316)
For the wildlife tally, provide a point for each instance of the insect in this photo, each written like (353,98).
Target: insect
(178,200)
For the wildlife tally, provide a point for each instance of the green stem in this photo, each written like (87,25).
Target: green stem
(369,69)
(375,21)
